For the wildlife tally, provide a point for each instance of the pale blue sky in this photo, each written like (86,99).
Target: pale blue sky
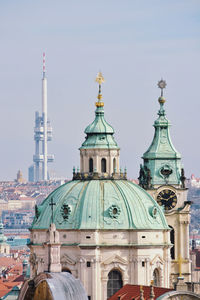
(134,43)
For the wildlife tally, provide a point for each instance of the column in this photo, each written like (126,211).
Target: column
(147,260)
(104,289)
(187,239)
(82,271)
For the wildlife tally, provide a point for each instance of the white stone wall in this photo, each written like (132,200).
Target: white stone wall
(97,155)
(136,254)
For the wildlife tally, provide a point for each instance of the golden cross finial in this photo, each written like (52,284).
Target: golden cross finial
(180,261)
(99,80)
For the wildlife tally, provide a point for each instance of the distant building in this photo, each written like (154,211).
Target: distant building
(20,178)
(17,219)
(4,247)
(31,173)
(195,182)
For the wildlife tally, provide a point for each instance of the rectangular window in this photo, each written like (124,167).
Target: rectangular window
(88,264)
(143,264)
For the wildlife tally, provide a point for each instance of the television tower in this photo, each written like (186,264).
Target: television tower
(43,134)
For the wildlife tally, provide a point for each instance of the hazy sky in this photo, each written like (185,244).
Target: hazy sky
(134,44)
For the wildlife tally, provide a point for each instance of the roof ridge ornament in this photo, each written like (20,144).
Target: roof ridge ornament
(99,80)
(161,85)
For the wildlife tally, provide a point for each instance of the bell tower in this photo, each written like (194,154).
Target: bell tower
(162,175)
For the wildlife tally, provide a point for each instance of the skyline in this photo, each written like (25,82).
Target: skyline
(134,44)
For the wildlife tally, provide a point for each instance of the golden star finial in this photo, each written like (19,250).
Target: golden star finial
(100,78)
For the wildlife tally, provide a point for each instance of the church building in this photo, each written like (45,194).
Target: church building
(106,230)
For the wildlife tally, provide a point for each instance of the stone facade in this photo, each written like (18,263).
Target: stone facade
(91,255)
(110,155)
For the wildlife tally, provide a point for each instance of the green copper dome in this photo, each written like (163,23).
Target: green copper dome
(99,125)
(99,133)
(100,204)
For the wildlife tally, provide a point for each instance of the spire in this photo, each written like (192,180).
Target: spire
(162,85)
(99,127)
(44,65)
(162,163)
(99,80)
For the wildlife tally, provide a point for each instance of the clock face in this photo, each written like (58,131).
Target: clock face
(167,198)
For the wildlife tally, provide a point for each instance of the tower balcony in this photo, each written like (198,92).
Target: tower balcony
(40,158)
(40,137)
(50,157)
(39,129)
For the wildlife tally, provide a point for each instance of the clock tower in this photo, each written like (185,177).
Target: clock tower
(162,175)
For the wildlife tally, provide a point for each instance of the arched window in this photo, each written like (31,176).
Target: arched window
(90,165)
(114,165)
(156,279)
(114,282)
(172,240)
(103,165)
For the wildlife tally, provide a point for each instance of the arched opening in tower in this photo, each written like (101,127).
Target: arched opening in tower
(103,165)
(172,240)
(90,165)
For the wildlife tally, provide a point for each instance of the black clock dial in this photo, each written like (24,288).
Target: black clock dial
(167,198)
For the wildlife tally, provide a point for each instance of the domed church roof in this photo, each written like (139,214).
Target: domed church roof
(100,204)
(96,199)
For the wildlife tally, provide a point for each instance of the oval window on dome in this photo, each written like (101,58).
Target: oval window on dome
(65,211)
(153,211)
(114,211)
